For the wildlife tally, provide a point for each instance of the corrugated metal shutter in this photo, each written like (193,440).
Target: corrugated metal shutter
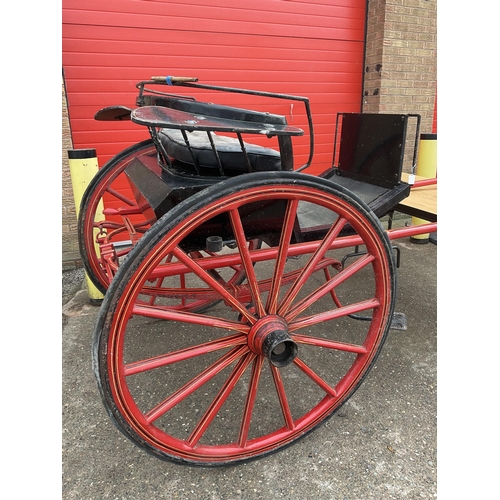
(309,47)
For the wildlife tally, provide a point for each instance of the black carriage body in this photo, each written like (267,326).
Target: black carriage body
(158,190)
(199,144)
(370,163)
(192,156)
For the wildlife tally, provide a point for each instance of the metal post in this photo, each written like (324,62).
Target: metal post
(83,166)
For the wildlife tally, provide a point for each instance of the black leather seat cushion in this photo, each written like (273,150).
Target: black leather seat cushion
(228,148)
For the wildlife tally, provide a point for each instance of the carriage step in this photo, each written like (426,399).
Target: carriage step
(398,321)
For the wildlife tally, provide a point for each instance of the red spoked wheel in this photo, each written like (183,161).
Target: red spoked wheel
(279,354)
(106,189)
(113,218)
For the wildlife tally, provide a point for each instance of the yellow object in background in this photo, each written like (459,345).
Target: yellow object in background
(426,167)
(83,166)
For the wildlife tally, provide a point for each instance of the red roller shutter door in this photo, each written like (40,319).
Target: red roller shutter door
(310,48)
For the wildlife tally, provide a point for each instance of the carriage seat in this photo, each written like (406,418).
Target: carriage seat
(189,132)
(229,153)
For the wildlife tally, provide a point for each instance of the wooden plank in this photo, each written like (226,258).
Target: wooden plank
(421,203)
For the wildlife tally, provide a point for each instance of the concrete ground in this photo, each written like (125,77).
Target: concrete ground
(382,444)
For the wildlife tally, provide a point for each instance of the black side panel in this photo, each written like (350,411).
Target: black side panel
(372,147)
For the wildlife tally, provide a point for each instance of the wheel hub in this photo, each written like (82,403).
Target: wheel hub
(269,337)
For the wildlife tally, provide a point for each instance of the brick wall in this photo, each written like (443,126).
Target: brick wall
(70,253)
(400,66)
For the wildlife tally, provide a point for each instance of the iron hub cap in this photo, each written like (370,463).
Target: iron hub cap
(269,337)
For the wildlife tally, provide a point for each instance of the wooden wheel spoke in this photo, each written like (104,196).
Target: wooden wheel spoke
(157,312)
(333,314)
(329,344)
(341,277)
(121,197)
(246,258)
(195,384)
(220,399)
(310,267)
(212,282)
(280,389)
(250,400)
(183,354)
(286,234)
(315,377)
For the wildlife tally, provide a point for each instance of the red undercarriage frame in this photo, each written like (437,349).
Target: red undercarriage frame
(109,230)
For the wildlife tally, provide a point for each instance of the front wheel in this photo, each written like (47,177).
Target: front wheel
(279,354)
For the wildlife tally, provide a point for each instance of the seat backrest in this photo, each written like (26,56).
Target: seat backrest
(372,147)
(213,110)
(191,115)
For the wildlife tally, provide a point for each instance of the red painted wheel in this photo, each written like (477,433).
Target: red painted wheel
(107,188)
(106,191)
(279,354)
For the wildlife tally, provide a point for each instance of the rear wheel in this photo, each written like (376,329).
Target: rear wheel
(279,354)
(114,226)
(106,189)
